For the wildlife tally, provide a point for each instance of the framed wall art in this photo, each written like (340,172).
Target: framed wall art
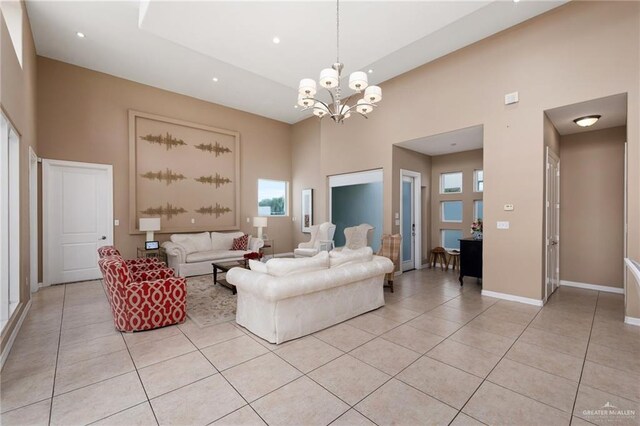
(186,173)
(307,210)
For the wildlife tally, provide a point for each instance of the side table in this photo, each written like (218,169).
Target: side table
(269,244)
(158,253)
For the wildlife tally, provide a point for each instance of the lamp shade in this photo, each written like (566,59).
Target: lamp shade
(260,222)
(149,224)
(305,101)
(364,107)
(307,87)
(358,81)
(319,109)
(373,94)
(329,78)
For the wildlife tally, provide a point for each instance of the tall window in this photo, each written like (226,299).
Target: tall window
(451,183)
(451,239)
(478,180)
(9,221)
(273,198)
(452,211)
(477,210)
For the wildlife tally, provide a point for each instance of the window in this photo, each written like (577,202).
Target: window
(273,198)
(477,210)
(451,183)
(451,211)
(9,221)
(478,180)
(450,238)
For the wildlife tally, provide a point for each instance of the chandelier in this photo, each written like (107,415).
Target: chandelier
(338,109)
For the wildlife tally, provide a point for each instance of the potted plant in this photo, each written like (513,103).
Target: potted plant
(476,229)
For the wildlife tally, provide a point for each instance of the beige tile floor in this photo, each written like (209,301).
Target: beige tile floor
(435,354)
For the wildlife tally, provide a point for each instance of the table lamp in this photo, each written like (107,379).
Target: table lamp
(149,224)
(260,222)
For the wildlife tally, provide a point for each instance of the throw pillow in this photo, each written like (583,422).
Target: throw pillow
(240,243)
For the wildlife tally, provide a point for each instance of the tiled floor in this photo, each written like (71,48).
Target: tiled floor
(435,354)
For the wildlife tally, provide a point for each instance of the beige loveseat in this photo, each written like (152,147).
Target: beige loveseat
(192,254)
(288,298)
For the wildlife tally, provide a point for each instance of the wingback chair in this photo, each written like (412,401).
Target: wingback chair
(358,236)
(320,235)
(135,265)
(390,248)
(145,300)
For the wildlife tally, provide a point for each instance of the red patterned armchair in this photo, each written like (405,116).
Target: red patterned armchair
(135,265)
(144,300)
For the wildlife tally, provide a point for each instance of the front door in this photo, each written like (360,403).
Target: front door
(77,219)
(552,215)
(408,225)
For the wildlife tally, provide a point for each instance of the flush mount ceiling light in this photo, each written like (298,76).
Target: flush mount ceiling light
(587,120)
(338,109)
(276,40)
(215,79)
(80,35)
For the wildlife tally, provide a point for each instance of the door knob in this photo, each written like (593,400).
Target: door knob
(104,237)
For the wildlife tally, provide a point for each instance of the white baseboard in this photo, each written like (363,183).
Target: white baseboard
(632,321)
(43,285)
(595,287)
(512,297)
(14,334)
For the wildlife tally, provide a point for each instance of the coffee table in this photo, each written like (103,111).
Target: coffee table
(222,267)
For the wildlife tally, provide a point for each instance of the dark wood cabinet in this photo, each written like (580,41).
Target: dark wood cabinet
(470,258)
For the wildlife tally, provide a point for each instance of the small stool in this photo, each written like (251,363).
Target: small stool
(439,254)
(454,259)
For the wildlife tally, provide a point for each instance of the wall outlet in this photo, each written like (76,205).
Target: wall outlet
(116,222)
(397,222)
(397,215)
(503,225)
(508,207)
(248,220)
(193,220)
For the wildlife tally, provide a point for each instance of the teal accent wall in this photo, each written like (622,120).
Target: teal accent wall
(355,204)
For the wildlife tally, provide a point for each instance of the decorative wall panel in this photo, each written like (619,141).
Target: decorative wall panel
(188,174)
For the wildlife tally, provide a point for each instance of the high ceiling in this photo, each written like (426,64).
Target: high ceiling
(181,46)
(448,143)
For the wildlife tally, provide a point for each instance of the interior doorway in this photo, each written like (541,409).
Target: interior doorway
(77,219)
(33,220)
(552,240)
(410,223)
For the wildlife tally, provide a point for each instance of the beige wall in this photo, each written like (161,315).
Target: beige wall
(18,100)
(82,116)
(421,163)
(551,136)
(305,166)
(556,59)
(466,162)
(592,207)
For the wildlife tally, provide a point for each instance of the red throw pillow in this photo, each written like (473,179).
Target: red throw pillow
(240,243)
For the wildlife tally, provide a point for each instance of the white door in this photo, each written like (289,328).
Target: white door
(77,219)
(33,219)
(552,214)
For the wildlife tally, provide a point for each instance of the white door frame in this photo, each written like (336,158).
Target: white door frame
(417,213)
(33,220)
(46,227)
(551,155)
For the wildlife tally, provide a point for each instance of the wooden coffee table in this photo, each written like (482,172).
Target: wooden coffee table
(222,267)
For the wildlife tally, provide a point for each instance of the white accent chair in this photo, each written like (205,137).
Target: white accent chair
(321,239)
(359,236)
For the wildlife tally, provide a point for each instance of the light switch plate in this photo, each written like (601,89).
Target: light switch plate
(116,222)
(397,215)
(397,222)
(503,225)
(193,221)
(511,98)
(508,207)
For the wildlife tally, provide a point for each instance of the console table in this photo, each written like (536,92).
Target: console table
(470,258)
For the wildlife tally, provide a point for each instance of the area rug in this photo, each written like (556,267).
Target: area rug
(209,304)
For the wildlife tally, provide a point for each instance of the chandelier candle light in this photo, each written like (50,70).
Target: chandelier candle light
(339,109)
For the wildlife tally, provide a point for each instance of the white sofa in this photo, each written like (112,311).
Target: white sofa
(290,298)
(192,254)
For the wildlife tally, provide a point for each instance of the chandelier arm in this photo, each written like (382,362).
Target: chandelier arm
(333,99)
(323,104)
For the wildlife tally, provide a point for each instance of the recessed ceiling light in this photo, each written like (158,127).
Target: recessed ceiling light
(370,71)
(276,40)
(295,106)
(215,79)
(79,34)
(516,1)
(586,121)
